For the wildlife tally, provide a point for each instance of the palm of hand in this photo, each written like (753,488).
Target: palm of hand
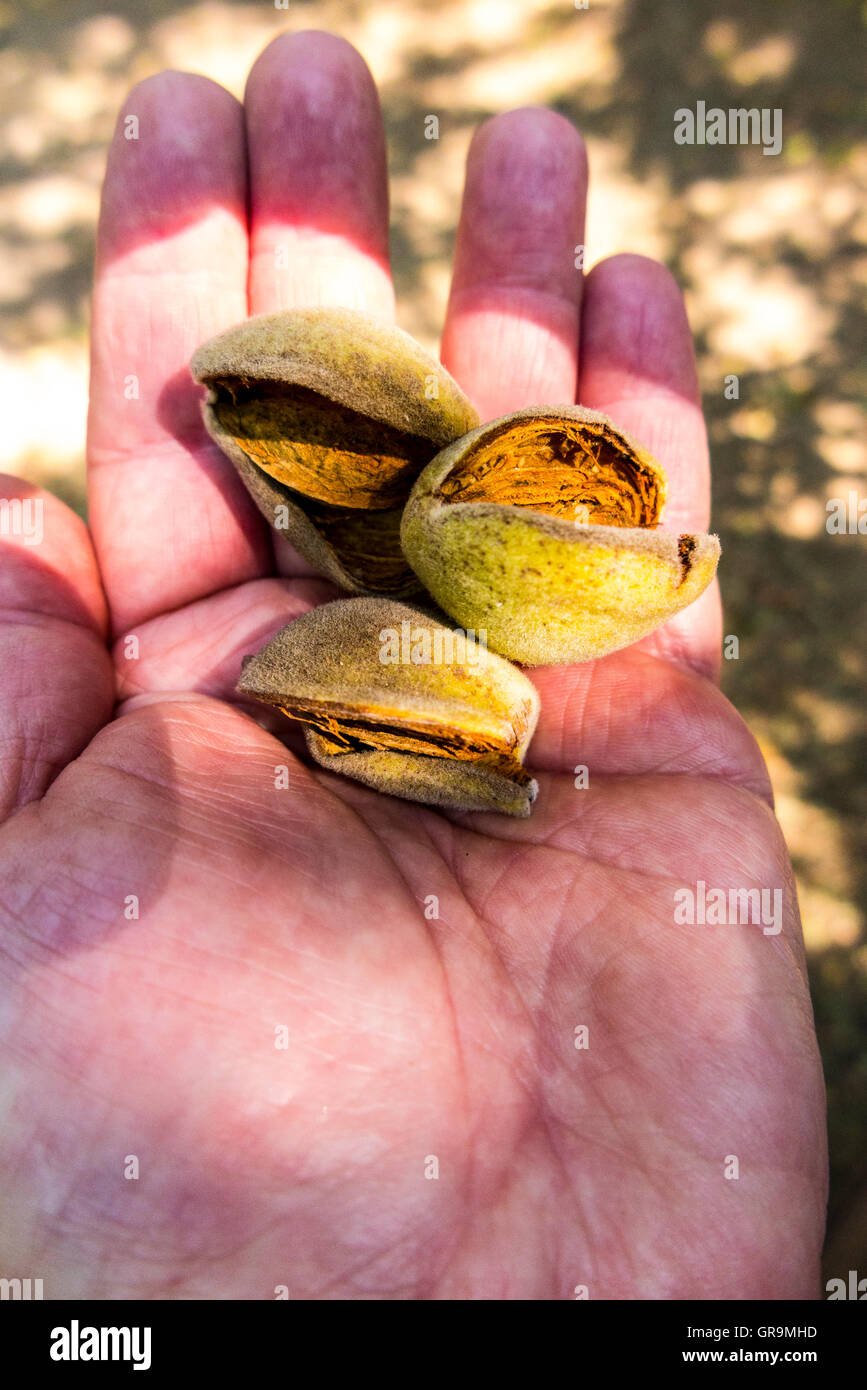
(339,1036)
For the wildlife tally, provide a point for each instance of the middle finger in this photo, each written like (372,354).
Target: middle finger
(511,334)
(318,189)
(318,180)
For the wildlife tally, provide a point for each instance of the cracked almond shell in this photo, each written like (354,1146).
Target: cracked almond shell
(449,733)
(541,529)
(329,416)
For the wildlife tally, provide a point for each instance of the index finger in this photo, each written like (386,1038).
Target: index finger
(171,521)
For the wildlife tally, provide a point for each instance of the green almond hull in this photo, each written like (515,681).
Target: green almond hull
(546,590)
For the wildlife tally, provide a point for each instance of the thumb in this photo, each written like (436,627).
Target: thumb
(56,680)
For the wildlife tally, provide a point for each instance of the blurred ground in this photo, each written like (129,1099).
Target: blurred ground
(770,251)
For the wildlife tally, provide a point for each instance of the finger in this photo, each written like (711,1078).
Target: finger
(200,648)
(318,178)
(692,638)
(630,714)
(56,681)
(318,189)
(511,333)
(171,520)
(638,367)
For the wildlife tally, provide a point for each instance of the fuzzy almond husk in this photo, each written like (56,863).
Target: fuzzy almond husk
(450,732)
(328,416)
(338,406)
(541,528)
(358,551)
(456,786)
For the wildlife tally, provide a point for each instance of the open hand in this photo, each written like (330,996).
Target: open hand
(170,916)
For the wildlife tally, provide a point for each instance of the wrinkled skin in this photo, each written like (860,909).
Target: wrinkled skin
(410,1036)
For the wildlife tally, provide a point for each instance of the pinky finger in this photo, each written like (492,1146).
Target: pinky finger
(638,367)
